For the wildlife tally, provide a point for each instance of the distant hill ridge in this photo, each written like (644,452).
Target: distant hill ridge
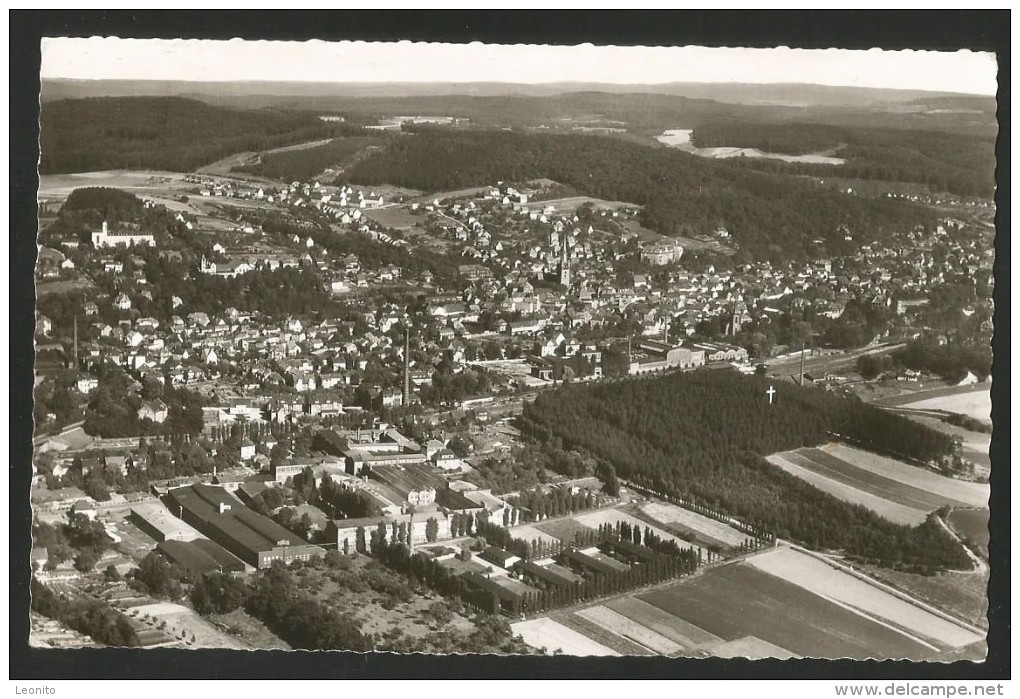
(732,93)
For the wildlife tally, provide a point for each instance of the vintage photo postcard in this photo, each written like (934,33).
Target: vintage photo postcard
(517,350)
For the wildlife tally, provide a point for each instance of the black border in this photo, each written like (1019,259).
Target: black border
(942,30)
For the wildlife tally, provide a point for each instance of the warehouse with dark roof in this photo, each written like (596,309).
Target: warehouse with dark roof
(255,539)
(201,556)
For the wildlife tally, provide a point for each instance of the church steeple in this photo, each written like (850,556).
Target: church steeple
(564,260)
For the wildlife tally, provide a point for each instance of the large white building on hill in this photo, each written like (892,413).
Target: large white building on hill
(103,239)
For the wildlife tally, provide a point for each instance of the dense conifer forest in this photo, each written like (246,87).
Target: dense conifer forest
(703,436)
(768,216)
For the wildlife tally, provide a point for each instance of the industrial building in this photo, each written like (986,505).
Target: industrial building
(719,352)
(414,482)
(201,556)
(255,539)
(673,355)
(389,448)
(157,521)
(341,530)
(543,576)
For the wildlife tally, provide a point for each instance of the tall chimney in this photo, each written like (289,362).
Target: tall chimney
(74,350)
(407,368)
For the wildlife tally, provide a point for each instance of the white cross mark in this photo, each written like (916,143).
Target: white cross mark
(771,392)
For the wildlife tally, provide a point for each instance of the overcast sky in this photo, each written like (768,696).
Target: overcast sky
(317,61)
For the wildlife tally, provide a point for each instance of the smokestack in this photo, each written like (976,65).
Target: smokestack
(74,350)
(105,228)
(407,368)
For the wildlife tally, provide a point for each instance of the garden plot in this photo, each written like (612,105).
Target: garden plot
(617,623)
(710,528)
(554,636)
(894,512)
(827,581)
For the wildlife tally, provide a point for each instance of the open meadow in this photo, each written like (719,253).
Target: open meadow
(562,529)
(976,404)
(397,217)
(943,398)
(136,181)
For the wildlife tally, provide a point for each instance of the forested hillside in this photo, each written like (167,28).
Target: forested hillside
(87,208)
(702,436)
(945,161)
(768,216)
(163,133)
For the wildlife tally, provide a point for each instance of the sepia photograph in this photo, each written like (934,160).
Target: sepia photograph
(590,350)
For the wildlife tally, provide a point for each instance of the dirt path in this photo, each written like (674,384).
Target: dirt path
(980,567)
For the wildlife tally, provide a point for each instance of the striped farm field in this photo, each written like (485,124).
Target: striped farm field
(600,634)
(737,600)
(949,489)
(868,481)
(615,622)
(899,492)
(664,623)
(832,583)
(553,636)
(894,512)
(706,527)
(752,648)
